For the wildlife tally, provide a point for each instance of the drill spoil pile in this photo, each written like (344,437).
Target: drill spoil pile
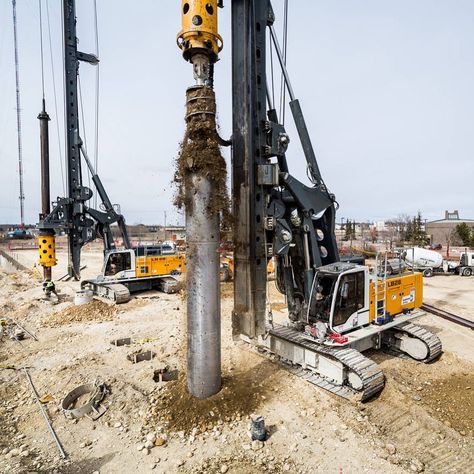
(93,311)
(200,154)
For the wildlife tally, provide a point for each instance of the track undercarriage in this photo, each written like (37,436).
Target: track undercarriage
(341,368)
(119,290)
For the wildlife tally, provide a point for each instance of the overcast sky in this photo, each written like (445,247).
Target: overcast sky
(387,88)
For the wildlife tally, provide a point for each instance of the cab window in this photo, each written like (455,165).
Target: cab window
(350,297)
(118,262)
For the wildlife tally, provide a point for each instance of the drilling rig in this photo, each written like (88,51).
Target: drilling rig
(125,270)
(336,310)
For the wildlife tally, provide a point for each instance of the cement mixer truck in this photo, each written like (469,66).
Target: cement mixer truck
(423,260)
(430,262)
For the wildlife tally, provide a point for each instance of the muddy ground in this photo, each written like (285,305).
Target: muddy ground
(421,422)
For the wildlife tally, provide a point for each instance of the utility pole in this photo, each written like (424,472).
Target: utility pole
(18,118)
(164,214)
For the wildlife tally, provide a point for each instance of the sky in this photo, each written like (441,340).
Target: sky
(387,89)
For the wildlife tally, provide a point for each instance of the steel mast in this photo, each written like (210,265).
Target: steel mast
(18,118)
(71,213)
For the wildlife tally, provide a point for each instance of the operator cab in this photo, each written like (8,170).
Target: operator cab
(119,264)
(467,259)
(340,296)
(122,263)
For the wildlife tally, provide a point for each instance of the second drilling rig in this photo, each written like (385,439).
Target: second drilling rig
(125,270)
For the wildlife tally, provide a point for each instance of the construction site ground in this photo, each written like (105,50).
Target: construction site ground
(423,421)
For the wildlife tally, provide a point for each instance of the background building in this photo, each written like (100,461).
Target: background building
(443,231)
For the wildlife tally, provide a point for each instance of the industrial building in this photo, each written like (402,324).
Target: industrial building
(443,231)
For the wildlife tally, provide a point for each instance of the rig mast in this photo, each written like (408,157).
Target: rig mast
(18,118)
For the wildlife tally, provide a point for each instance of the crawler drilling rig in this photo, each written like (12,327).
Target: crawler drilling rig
(124,270)
(335,310)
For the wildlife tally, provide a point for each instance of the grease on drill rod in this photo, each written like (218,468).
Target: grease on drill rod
(200,153)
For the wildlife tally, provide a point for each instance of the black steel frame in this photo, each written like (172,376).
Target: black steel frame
(71,214)
(274,213)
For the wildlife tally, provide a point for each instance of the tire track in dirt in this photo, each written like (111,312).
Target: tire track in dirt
(407,416)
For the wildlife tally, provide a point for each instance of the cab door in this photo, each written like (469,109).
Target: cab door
(350,308)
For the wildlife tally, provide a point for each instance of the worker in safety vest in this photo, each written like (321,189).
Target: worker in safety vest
(48,288)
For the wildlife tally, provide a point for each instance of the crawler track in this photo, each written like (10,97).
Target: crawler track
(370,374)
(114,292)
(432,341)
(454,318)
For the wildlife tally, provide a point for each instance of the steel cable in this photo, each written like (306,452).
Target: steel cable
(97,89)
(61,158)
(41,46)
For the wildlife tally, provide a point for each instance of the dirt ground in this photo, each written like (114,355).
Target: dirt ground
(423,421)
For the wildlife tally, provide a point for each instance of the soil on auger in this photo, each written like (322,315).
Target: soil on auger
(200,154)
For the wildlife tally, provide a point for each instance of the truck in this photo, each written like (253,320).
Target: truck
(423,260)
(466,264)
(19,234)
(430,262)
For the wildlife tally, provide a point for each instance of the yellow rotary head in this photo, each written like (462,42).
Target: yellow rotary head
(199,29)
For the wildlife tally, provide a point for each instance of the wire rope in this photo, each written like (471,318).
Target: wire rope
(83,126)
(61,156)
(41,45)
(97,89)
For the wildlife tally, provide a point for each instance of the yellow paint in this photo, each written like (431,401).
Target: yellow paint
(402,292)
(159,265)
(47,250)
(200,34)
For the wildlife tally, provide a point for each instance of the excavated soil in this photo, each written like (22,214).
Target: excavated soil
(422,420)
(242,463)
(200,154)
(452,401)
(241,395)
(93,311)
